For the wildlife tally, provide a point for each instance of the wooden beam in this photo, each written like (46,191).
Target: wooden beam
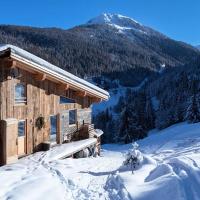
(40,77)
(81,93)
(63,87)
(13,64)
(96,100)
(8,63)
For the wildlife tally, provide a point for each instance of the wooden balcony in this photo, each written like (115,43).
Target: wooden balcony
(80,132)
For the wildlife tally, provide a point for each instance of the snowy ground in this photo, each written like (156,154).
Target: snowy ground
(170,171)
(115,95)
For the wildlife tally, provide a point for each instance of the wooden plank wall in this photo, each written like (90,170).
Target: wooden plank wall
(42,100)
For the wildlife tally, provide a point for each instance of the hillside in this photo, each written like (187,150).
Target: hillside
(170,97)
(169,168)
(108,44)
(153,80)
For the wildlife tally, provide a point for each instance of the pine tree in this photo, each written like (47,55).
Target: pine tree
(193,112)
(131,128)
(149,114)
(124,134)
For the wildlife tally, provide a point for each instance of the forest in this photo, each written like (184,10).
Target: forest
(166,99)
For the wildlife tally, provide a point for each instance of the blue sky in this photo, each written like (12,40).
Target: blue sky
(179,19)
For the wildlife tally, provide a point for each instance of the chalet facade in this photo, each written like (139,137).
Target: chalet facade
(41,103)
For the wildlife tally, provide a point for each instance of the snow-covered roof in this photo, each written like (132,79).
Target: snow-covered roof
(48,68)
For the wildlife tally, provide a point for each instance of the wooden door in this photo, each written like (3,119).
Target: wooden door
(21,138)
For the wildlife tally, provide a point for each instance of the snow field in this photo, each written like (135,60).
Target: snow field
(170,170)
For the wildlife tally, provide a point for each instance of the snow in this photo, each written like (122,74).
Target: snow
(65,150)
(170,170)
(52,69)
(162,68)
(98,132)
(109,18)
(120,22)
(115,95)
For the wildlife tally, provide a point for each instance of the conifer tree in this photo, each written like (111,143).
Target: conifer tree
(149,113)
(193,112)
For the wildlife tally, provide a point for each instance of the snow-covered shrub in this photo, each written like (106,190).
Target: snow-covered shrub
(134,157)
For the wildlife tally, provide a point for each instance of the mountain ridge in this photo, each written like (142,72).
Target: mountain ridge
(94,49)
(122,23)
(113,60)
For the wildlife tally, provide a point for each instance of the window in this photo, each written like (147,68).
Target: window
(53,129)
(64,100)
(21,128)
(20,93)
(72,117)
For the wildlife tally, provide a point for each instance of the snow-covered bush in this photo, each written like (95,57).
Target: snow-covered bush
(134,157)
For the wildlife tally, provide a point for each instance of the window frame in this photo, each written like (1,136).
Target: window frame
(74,101)
(75,119)
(53,140)
(23,100)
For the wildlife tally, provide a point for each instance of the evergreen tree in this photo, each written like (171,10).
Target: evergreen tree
(131,128)
(193,112)
(124,133)
(149,114)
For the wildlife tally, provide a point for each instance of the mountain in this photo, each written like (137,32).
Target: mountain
(123,24)
(153,80)
(110,44)
(198,47)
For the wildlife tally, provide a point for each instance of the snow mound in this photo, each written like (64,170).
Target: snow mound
(159,171)
(116,188)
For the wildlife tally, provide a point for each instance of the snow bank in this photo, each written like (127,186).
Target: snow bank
(170,170)
(174,172)
(159,171)
(116,188)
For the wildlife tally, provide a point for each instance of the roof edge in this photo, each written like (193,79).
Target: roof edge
(46,67)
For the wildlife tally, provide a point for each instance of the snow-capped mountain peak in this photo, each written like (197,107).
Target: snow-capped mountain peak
(119,22)
(107,18)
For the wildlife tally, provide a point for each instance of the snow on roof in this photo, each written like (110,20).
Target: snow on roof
(98,132)
(53,70)
(65,150)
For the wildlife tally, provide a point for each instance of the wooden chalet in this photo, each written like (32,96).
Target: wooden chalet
(41,104)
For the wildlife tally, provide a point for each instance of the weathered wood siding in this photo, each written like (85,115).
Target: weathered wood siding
(42,100)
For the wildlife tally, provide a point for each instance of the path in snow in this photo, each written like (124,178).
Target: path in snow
(94,174)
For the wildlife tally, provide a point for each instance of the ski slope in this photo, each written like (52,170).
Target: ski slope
(170,170)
